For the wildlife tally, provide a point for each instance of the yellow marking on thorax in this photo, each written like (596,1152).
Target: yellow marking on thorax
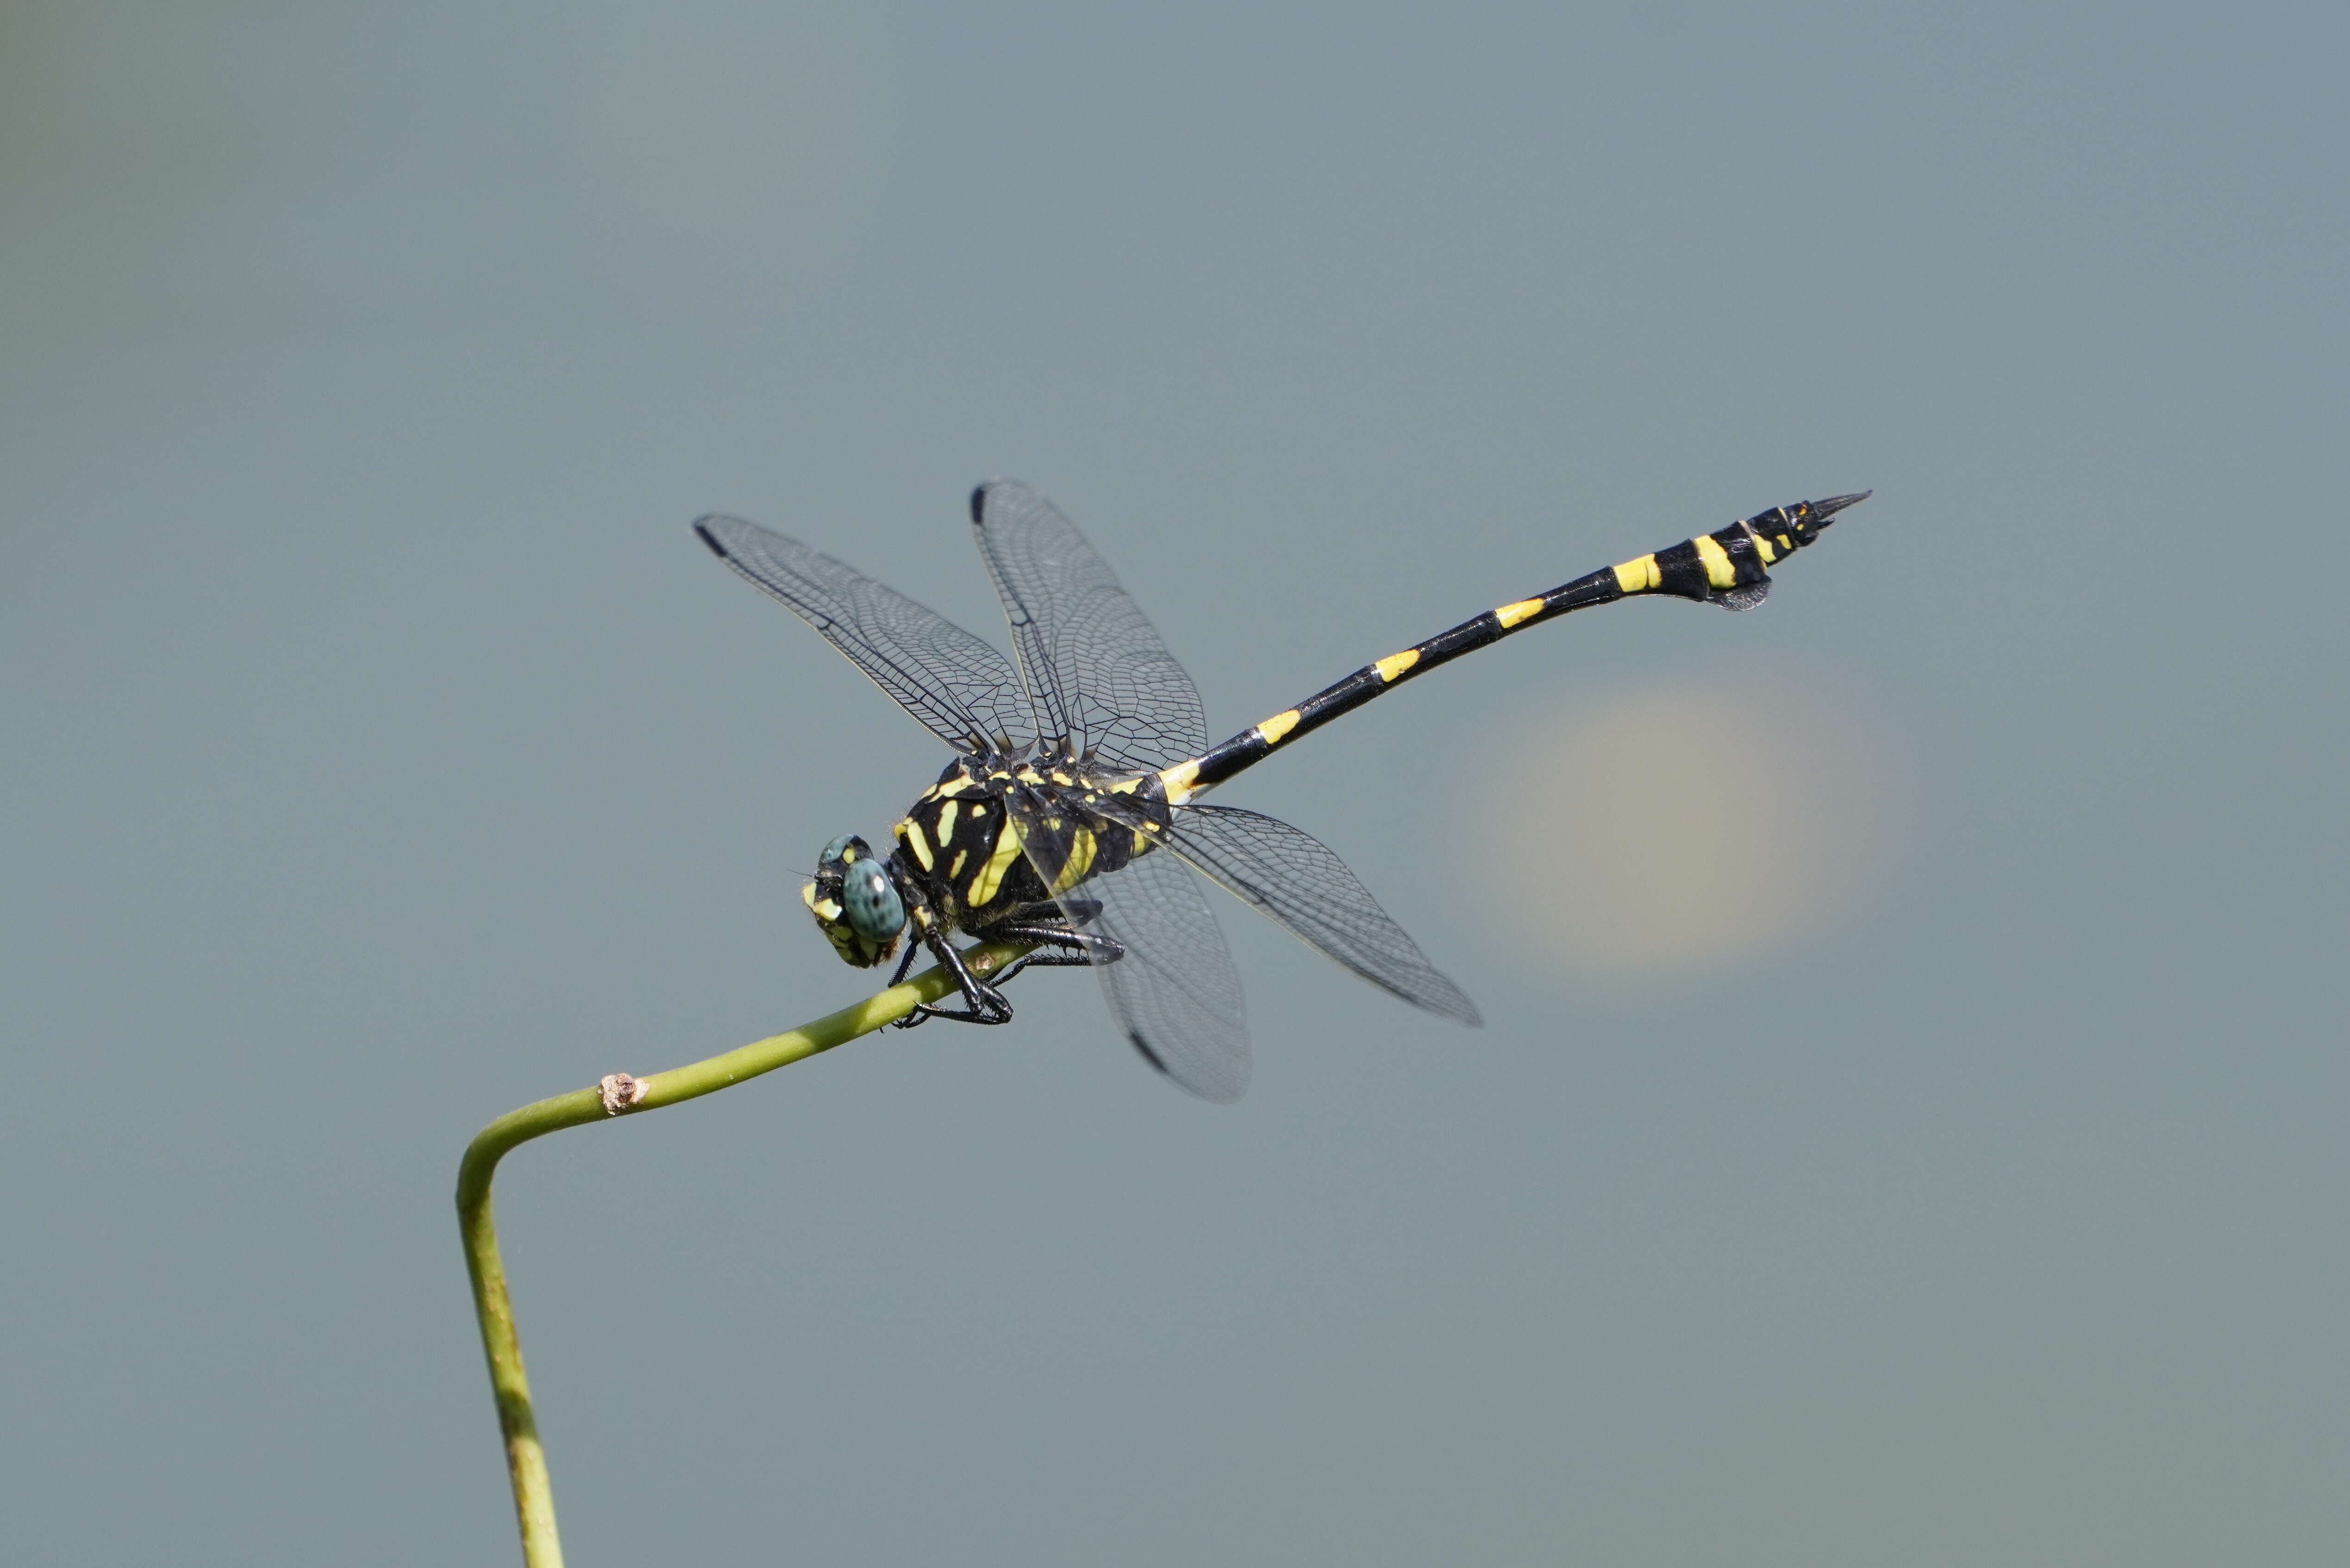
(954,867)
(1395,664)
(909,833)
(1274,728)
(1719,572)
(946,822)
(1080,861)
(1181,781)
(1510,615)
(1638,577)
(952,786)
(991,876)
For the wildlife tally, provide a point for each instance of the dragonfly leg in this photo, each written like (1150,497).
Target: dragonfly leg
(983,1002)
(1058,947)
(913,950)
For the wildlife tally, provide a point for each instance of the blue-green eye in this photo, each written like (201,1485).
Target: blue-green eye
(871,901)
(838,849)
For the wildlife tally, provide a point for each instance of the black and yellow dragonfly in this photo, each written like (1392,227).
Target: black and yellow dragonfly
(1070,816)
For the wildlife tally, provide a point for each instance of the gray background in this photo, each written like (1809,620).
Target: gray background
(380,753)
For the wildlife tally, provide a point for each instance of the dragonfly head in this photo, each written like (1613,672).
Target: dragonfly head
(855,902)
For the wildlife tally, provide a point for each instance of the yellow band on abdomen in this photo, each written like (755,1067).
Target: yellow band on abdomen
(1511,615)
(1719,572)
(1180,783)
(1638,577)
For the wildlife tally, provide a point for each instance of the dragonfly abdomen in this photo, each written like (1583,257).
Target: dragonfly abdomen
(1728,568)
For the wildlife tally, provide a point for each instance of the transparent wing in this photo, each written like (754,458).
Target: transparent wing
(1302,884)
(1097,673)
(962,689)
(1175,994)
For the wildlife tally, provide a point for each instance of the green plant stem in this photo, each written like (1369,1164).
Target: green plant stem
(617,1096)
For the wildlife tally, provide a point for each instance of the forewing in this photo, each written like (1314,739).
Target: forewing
(1175,993)
(962,689)
(1302,884)
(1096,671)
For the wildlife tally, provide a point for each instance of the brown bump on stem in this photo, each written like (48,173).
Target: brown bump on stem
(527,1461)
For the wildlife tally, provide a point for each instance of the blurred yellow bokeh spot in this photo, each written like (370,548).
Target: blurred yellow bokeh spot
(1694,825)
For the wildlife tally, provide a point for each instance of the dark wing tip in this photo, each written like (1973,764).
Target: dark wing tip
(1216,1095)
(979,496)
(701,528)
(1136,1040)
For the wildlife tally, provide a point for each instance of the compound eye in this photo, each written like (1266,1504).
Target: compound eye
(871,900)
(846,847)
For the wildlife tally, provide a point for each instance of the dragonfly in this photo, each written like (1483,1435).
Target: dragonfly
(1070,816)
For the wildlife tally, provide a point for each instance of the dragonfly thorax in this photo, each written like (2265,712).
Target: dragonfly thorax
(1005,833)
